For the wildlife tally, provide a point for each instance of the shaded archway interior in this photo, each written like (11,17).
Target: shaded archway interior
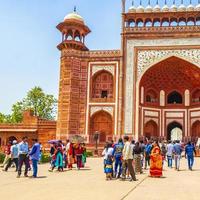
(171,75)
(172,126)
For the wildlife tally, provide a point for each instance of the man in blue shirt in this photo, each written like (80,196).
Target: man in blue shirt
(177,150)
(35,156)
(117,154)
(23,157)
(189,154)
(147,153)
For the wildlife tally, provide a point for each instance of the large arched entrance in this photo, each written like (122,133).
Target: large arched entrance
(101,122)
(196,130)
(166,93)
(174,131)
(151,130)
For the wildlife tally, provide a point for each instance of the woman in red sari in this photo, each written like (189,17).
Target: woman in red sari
(155,161)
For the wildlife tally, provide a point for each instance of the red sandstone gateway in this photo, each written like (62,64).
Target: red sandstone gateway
(148,88)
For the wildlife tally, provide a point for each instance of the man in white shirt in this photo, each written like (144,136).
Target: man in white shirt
(127,160)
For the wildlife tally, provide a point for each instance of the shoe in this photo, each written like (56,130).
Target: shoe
(25,175)
(18,176)
(133,180)
(4,170)
(33,177)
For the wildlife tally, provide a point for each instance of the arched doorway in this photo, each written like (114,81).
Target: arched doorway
(196,130)
(151,129)
(103,123)
(174,131)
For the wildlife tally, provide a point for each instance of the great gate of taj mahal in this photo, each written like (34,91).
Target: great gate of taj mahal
(148,88)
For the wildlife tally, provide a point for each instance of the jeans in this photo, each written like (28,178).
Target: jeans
(147,160)
(190,161)
(118,163)
(169,161)
(23,158)
(128,164)
(35,167)
(79,161)
(177,159)
(11,160)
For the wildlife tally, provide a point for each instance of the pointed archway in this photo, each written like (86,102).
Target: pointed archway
(151,130)
(101,122)
(174,131)
(196,130)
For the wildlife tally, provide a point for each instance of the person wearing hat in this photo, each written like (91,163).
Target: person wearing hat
(14,156)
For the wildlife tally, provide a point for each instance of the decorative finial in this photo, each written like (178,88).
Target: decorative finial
(133,3)
(174,2)
(181,1)
(157,2)
(190,2)
(149,3)
(165,2)
(140,2)
(74,8)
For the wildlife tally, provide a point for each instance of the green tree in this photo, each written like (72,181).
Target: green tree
(43,105)
(17,112)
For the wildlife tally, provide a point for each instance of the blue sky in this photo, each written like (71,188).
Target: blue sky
(28,40)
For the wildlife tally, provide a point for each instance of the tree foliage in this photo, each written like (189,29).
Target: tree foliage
(43,105)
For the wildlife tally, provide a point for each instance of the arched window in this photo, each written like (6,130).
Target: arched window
(198,21)
(151,96)
(173,22)
(182,22)
(77,36)
(148,23)
(156,23)
(165,22)
(174,98)
(102,85)
(196,96)
(69,35)
(140,23)
(131,23)
(190,21)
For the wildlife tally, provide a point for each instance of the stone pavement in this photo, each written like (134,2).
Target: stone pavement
(90,184)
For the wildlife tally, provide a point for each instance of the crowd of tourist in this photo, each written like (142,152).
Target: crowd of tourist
(19,154)
(61,156)
(64,156)
(124,160)
(127,158)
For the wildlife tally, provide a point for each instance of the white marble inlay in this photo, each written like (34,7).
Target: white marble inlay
(95,109)
(97,68)
(195,114)
(151,113)
(151,57)
(174,114)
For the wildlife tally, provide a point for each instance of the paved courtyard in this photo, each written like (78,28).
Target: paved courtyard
(90,184)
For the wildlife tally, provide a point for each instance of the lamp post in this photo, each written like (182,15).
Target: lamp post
(96,138)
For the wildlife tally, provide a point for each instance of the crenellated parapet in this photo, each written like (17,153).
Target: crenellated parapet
(156,20)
